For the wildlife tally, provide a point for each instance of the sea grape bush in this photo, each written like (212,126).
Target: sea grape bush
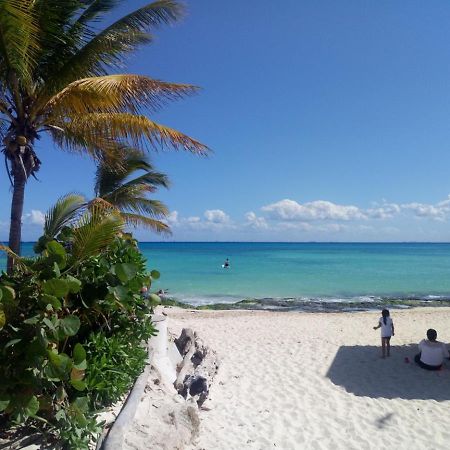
(71,334)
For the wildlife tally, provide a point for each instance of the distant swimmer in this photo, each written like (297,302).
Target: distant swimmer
(226,264)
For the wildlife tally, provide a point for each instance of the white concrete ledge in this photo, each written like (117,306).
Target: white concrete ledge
(115,438)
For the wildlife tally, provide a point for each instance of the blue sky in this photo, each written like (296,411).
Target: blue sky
(328,121)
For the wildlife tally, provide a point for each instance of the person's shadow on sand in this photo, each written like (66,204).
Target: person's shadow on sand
(361,371)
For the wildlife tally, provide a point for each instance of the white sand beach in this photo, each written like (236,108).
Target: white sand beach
(316,381)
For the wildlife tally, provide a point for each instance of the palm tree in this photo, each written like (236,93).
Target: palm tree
(54,79)
(118,190)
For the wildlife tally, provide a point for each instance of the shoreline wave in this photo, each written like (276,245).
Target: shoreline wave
(312,304)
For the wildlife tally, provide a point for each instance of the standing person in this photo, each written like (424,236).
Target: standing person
(387,331)
(432,352)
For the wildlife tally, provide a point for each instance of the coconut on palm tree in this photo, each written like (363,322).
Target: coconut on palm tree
(120,189)
(54,79)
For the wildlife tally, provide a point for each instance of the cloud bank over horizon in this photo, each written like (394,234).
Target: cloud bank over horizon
(290,220)
(322,220)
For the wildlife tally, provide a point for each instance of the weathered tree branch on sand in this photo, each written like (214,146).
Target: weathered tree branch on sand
(198,368)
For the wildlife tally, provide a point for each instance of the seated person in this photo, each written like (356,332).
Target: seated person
(432,352)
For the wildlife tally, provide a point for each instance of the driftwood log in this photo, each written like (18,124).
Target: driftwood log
(198,368)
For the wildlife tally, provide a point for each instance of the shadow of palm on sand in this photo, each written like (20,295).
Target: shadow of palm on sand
(361,371)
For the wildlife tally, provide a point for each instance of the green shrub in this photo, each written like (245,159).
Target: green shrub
(72,321)
(114,364)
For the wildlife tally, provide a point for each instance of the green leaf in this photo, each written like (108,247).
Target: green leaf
(154,299)
(70,325)
(4,402)
(42,338)
(135,284)
(81,403)
(49,323)
(32,320)
(2,319)
(60,362)
(8,294)
(125,271)
(56,287)
(82,365)
(25,408)
(155,274)
(77,409)
(74,284)
(32,407)
(51,300)
(57,254)
(61,394)
(79,354)
(120,293)
(56,270)
(11,343)
(1,294)
(60,415)
(79,385)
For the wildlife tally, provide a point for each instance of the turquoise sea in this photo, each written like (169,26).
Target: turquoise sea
(299,274)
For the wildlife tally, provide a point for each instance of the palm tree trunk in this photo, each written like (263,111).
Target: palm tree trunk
(15,230)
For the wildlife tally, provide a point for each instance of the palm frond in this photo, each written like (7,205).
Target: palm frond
(95,10)
(94,232)
(4,125)
(140,205)
(149,181)
(134,159)
(136,220)
(19,262)
(61,36)
(128,195)
(63,213)
(73,140)
(109,48)
(19,44)
(109,178)
(136,130)
(3,105)
(113,93)
(100,204)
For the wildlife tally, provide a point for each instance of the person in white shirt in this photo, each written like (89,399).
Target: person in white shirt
(432,352)
(387,331)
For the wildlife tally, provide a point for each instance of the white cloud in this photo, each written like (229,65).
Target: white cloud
(216,216)
(212,220)
(172,218)
(35,217)
(385,211)
(290,210)
(288,219)
(193,219)
(256,222)
(437,212)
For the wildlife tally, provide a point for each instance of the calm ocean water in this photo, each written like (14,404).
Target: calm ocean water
(299,272)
